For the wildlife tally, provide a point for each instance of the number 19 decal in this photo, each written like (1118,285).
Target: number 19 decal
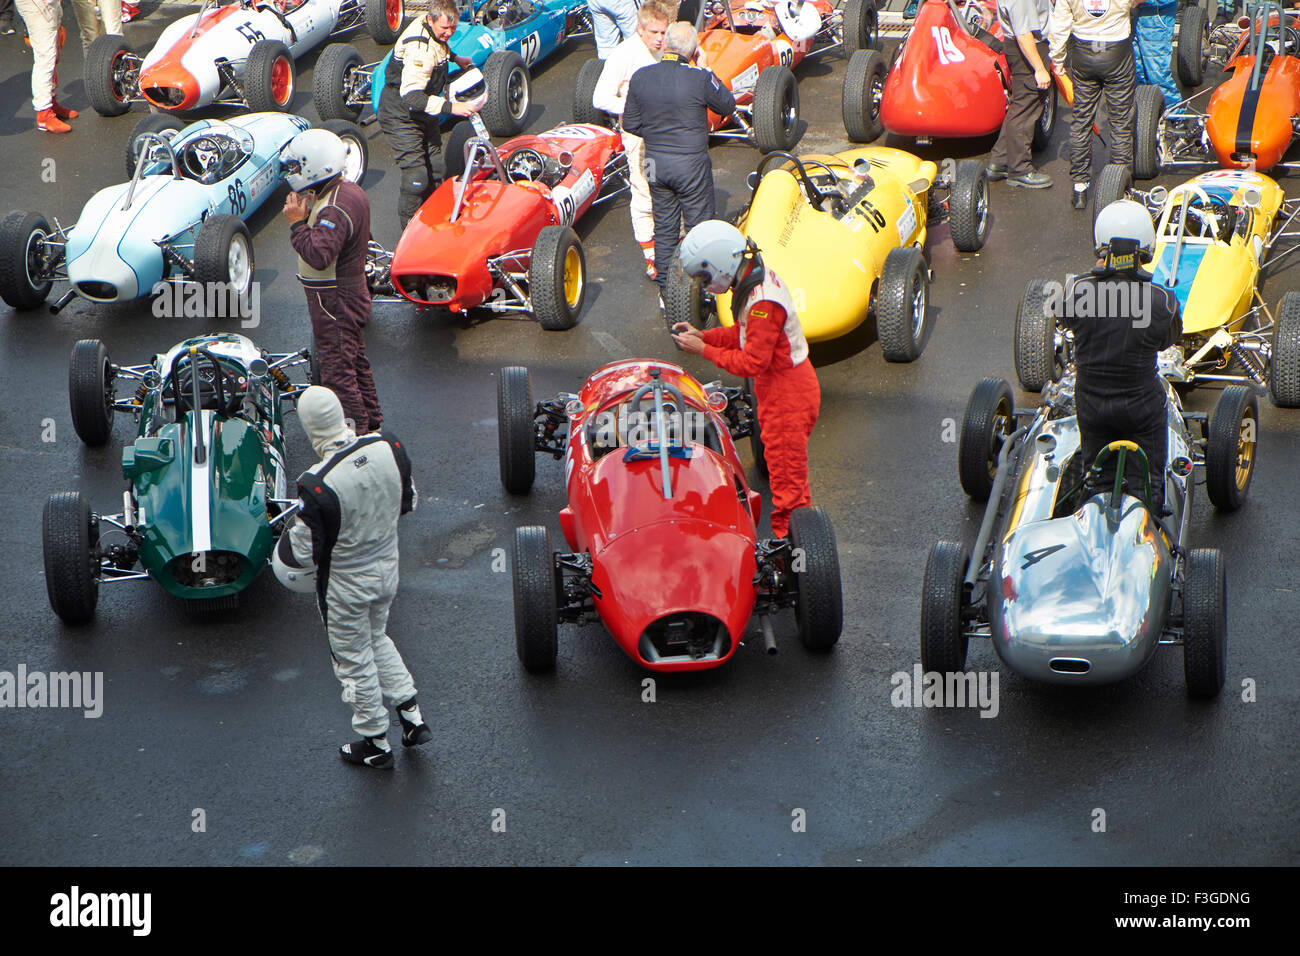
(943,45)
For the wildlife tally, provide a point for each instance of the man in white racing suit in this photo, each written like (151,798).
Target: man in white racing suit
(640,49)
(351,501)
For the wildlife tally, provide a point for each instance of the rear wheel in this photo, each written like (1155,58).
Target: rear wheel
(988,422)
(1146,130)
(815,563)
(23,282)
(223,254)
(1230,449)
(91,392)
(153,123)
(755,430)
(358,158)
(536,610)
(1284,362)
(1046,124)
(1035,343)
(269,79)
(684,301)
(516,432)
(584,111)
(968,206)
(71,561)
(509,93)
(1113,184)
(902,305)
(776,110)
(861,25)
(864,83)
(384,20)
(1205,622)
(107,75)
(557,278)
(334,80)
(1192,54)
(943,596)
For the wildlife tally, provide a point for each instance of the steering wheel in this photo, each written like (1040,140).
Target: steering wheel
(1214,216)
(525,164)
(201,156)
(212,376)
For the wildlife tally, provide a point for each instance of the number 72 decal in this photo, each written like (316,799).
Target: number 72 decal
(530,47)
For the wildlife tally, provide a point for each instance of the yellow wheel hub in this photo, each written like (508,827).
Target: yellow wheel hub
(1246,449)
(572,277)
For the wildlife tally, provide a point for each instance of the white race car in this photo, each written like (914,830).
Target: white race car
(237,54)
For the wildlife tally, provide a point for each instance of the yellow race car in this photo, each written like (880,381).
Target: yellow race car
(1213,235)
(846,233)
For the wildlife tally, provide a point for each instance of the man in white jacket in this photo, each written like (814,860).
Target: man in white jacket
(640,49)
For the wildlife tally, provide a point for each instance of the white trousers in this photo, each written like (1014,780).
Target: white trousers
(643,222)
(111,10)
(42,18)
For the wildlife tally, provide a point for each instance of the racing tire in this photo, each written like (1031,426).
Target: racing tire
(106,97)
(903,305)
(223,254)
(384,20)
(819,601)
(69,537)
(331,79)
(557,278)
(987,422)
(1191,54)
(91,392)
(776,110)
(684,301)
(536,605)
(864,83)
(1037,362)
(968,206)
(861,26)
(358,161)
(21,234)
(313,364)
(1046,125)
(1205,622)
(509,93)
(943,596)
(453,148)
(755,430)
(153,123)
(269,77)
(1113,184)
(1231,447)
(1284,362)
(584,111)
(516,432)
(1146,132)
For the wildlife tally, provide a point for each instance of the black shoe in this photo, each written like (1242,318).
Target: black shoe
(6,26)
(366,751)
(1079,199)
(1030,180)
(415,731)
(996,171)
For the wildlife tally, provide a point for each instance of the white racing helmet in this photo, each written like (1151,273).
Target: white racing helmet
(1125,219)
(468,86)
(312,157)
(291,572)
(713,250)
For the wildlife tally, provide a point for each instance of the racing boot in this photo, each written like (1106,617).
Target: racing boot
(1079,197)
(62,112)
(129,11)
(48,121)
(414,730)
(648,250)
(369,752)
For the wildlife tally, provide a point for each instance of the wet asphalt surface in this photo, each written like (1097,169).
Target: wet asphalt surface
(239,715)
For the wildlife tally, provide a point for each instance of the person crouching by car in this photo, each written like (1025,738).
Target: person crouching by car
(766,344)
(1118,394)
(343,545)
(640,49)
(329,221)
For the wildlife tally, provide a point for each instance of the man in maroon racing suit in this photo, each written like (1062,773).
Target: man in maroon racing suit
(330,230)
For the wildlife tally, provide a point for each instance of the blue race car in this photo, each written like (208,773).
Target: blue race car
(504,38)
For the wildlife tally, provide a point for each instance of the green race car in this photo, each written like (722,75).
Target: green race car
(207,488)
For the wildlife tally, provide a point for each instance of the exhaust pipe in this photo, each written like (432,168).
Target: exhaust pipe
(769,639)
(64,299)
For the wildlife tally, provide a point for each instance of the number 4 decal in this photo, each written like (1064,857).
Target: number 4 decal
(529,48)
(943,45)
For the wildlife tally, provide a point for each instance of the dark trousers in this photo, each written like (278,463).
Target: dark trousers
(1023,111)
(680,187)
(1096,71)
(1115,416)
(417,150)
(338,320)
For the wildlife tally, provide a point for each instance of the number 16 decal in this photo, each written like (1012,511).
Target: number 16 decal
(943,45)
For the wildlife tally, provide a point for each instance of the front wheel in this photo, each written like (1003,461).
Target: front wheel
(91,392)
(943,598)
(516,431)
(223,258)
(109,77)
(509,93)
(864,84)
(384,20)
(776,110)
(536,606)
(269,78)
(334,81)
(1284,362)
(815,563)
(1037,362)
(902,305)
(968,206)
(684,301)
(557,278)
(70,541)
(1191,54)
(861,26)
(987,423)
(584,110)
(1146,132)
(1113,184)
(1230,449)
(358,155)
(1205,622)
(24,283)
(755,430)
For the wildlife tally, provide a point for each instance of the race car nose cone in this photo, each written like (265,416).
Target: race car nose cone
(102,278)
(169,86)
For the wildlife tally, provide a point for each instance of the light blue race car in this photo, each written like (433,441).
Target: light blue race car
(180,218)
(504,38)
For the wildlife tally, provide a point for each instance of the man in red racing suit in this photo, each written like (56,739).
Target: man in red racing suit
(766,343)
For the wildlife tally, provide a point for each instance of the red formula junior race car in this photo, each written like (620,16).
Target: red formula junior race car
(660,524)
(948,79)
(499,236)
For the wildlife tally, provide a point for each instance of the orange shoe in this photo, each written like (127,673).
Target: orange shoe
(62,112)
(48,121)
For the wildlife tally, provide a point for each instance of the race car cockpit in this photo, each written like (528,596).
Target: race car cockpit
(210,156)
(530,165)
(504,14)
(1208,217)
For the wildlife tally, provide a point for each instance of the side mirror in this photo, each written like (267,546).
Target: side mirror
(257,368)
(1157,195)
(1252,198)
